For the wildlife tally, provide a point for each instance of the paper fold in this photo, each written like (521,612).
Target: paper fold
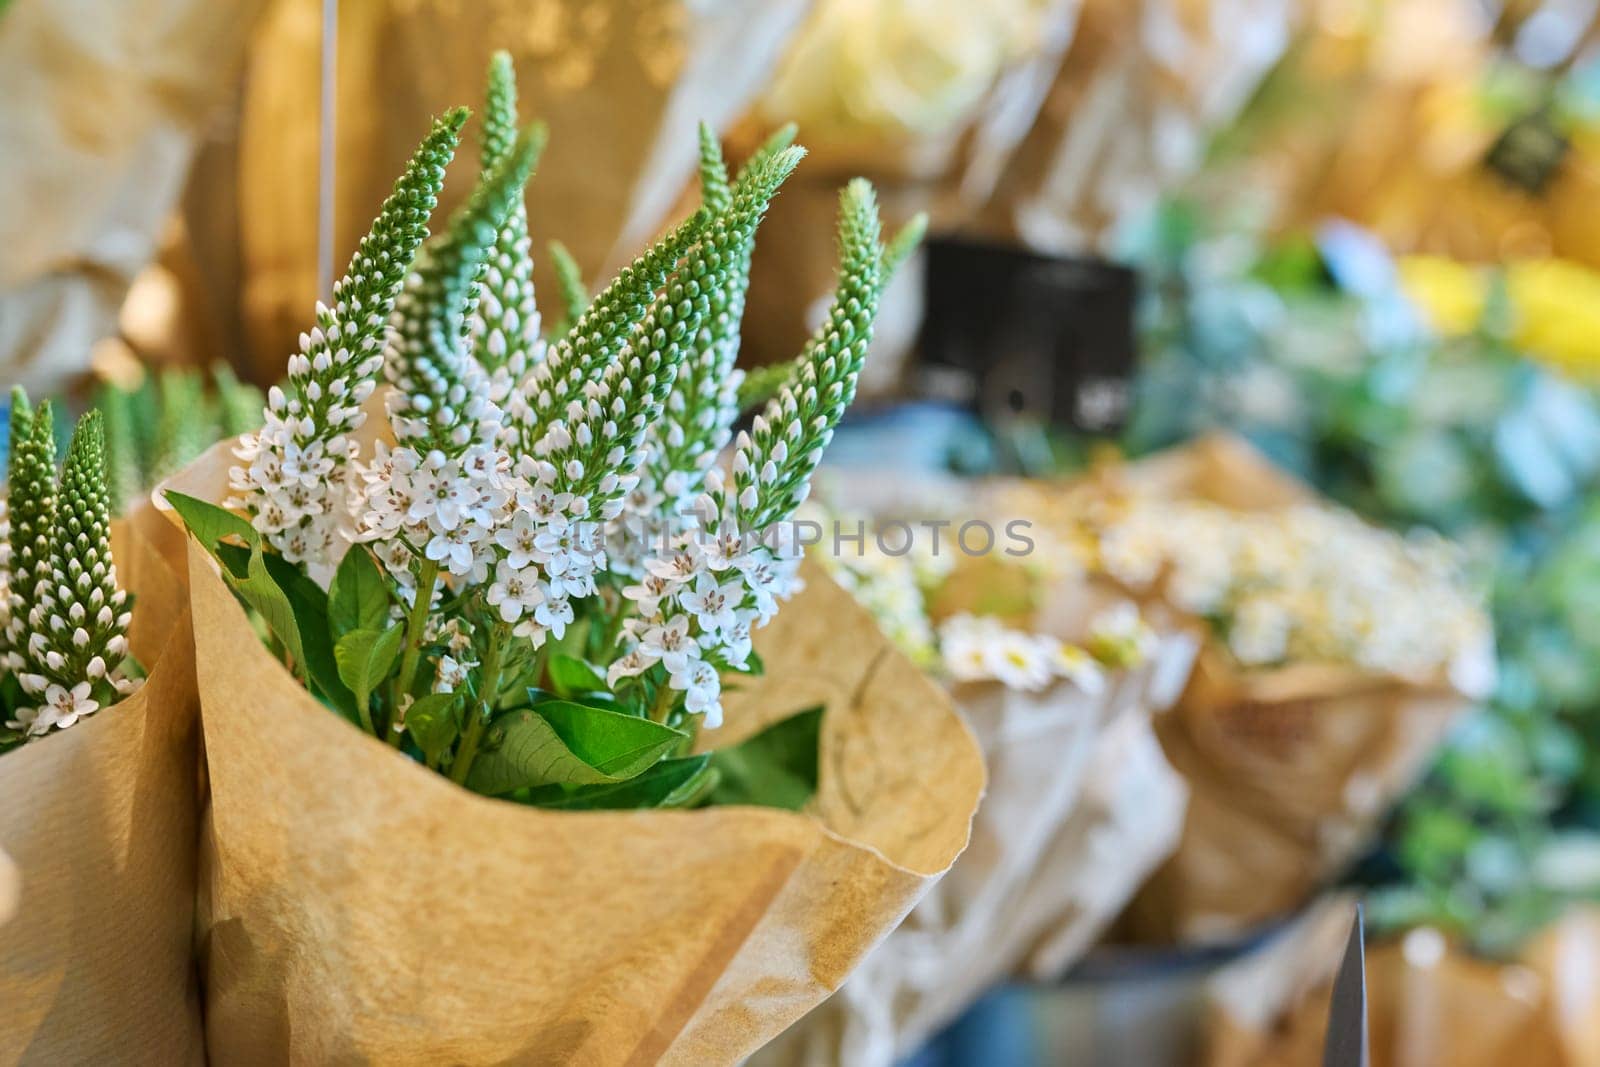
(98,820)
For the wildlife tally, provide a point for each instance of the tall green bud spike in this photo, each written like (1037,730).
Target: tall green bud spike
(343,355)
(81,609)
(500,111)
(336,370)
(569,283)
(505,325)
(715,193)
(798,423)
(437,379)
(632,390)
(32,502)
(698,416)
(776,142)
(124,472)
(21,419)
(596,340)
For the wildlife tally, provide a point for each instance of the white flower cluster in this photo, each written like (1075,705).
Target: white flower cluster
(60,623)
(1306,583)
(293,479)
(978,648)
(696,606)
(897,589)
(483,522)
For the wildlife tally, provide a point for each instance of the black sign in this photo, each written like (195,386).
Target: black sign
(1012,333)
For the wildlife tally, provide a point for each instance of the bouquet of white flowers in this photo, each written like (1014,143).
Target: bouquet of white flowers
(97,769)
(1061,703)
(532,583)
(1336,657)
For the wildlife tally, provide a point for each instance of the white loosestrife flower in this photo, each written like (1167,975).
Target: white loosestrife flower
(491,565)
(742,531)
(293,473)
(70,648)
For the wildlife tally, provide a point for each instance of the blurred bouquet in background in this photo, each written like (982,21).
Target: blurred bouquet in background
(1422,393)
(1058,683)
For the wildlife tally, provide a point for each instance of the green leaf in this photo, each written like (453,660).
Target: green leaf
(525,750)
(433,724)
(364,658)
(211,524)
(311,644)
(358,599)
(777,768)
(695,791)
(613,743)
(657,787)
(572,675)
(563,743)
(248,575)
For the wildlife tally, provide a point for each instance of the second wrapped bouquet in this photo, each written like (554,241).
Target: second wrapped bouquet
(477,791)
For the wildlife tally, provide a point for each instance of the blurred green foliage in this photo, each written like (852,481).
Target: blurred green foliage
(168,419)
(1310,349)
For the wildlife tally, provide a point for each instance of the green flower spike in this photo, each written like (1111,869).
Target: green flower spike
(773,464)
(295,467)
(596,340)
(505,327)
(441,399)
(32,511)
(698,417)
(601,436)
(79,622)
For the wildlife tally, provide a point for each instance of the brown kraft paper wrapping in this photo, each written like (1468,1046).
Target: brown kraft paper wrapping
(1429,1004)
(1290,769)
(357,907)
(1005,893)
(98,820)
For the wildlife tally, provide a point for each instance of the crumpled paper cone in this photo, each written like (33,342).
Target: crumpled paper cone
(358,907)
(1032,873)
(1129,819)
(1291,772)
(96,965)
(1290,769)
(1428,1003)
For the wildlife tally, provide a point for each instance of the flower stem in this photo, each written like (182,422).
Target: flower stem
(663,704)
(488,694)
(411,650)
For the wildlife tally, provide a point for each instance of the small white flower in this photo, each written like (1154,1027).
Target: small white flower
(713,604)
(554,613)
(450,674)
(62,707)
(515,591)
(670,644)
